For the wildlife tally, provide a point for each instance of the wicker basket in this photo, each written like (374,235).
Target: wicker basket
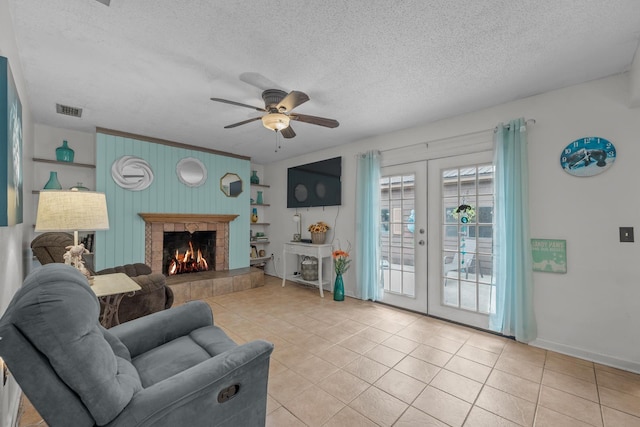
(318,238)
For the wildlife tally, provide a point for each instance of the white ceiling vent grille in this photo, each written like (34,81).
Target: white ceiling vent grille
(68,111)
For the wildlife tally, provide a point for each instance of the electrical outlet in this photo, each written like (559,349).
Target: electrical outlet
(626,234)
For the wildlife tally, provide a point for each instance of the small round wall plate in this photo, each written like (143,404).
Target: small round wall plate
(588,156)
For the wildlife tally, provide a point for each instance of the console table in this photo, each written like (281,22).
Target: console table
(307,249)
(110,289)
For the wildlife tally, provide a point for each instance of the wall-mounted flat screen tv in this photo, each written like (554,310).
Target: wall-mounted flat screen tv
(315,184)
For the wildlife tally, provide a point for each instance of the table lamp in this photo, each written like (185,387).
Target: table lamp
(298,219)
(72,210)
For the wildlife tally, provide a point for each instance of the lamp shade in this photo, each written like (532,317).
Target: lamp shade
(72,210)
(275,121)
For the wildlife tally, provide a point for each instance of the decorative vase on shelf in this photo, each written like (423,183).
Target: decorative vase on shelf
(64,153)
(254,215)
(259,199)
(53,183)
(338,289)
(254,177)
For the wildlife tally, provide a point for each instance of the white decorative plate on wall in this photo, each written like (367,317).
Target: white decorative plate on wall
(132,173)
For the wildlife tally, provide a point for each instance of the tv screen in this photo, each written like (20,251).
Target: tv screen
(315,184)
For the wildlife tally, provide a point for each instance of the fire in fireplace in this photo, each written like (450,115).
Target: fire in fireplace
(186,252)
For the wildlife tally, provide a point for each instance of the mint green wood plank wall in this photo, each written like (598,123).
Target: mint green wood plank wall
(123,243)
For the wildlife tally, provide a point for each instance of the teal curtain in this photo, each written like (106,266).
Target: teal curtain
(513,315)
(367,260)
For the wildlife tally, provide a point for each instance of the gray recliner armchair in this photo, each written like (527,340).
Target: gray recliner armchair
(171,368)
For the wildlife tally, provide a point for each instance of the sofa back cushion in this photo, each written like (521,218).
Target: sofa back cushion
(57,312)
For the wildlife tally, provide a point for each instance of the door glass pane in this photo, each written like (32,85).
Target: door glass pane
(467,240)
(397,217)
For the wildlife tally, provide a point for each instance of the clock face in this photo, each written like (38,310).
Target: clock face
(588,156)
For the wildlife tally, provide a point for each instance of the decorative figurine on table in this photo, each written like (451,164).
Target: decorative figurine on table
(73,257)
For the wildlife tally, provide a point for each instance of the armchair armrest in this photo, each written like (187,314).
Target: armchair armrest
(148,332)
(192,397)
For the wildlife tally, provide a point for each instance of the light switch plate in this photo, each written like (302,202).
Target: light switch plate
(626,234)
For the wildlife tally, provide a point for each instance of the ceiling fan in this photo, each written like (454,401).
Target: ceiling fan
(278,105)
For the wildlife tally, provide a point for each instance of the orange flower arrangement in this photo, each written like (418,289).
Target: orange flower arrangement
(318,227)
(341,260)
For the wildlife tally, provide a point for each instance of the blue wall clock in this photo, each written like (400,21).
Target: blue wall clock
(588,156)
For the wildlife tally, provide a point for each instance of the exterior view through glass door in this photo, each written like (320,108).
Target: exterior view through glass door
(461,274)
(451,276)
(403,228)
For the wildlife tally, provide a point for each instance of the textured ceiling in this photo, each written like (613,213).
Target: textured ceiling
(150,66)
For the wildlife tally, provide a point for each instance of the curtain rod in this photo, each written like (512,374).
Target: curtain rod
(528,122)
(494,129)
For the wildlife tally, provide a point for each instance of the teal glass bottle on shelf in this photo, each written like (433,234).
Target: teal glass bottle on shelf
(338,289)
(64,153)
(254,177)
(53,183)
(259,198)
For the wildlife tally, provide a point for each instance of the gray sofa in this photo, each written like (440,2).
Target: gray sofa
(171,368)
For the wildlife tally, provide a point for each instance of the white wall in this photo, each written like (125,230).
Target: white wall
(592,311)
(15,246)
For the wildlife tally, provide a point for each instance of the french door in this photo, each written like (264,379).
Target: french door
(461,244)
(436,261)
(404,235)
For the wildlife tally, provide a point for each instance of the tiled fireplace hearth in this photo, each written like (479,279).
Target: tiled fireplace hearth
(219,280)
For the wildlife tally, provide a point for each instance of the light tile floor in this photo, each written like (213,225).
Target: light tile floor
(356,363)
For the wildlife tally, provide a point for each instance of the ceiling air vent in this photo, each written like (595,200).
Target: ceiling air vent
(68,111)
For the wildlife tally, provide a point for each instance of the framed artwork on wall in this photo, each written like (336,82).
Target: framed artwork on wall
(549,255)
(11,198)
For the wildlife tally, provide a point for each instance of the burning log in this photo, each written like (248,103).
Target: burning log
(190,262)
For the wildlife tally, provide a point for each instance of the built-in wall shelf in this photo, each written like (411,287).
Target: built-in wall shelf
(261,185)
(259,260)
(260,242)
(260,223)
(260,204)
(55,162)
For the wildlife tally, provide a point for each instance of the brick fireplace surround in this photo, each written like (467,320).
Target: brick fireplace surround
(205,284)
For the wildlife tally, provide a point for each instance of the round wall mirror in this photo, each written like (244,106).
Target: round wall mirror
(231,184)
(132,173)
(191,172)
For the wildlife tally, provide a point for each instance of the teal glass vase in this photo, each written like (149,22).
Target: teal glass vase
(254,177)
(259,199)
(64,153)
(338,289)
(53,183)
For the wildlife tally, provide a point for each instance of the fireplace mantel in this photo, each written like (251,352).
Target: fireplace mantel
(185,218)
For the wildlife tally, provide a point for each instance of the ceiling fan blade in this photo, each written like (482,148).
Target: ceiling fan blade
(244,122)
(320,121)
(288,132)
(292,100)
(226,101)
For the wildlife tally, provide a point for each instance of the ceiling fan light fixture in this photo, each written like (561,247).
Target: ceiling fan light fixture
(275,121)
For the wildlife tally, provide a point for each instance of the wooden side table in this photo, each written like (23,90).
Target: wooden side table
(110,289)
